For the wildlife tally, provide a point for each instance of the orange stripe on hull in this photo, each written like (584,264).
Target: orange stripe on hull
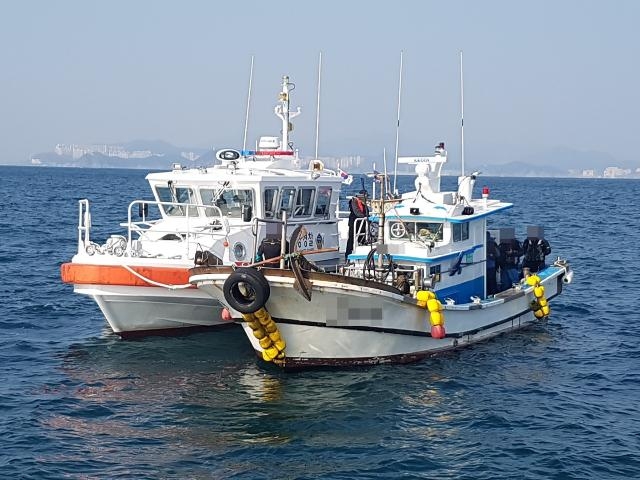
(78,273)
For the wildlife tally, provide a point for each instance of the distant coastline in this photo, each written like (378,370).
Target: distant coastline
(160,155)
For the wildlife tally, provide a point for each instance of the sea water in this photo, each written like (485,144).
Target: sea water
(557,400)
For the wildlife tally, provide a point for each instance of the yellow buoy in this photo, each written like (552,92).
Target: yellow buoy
(275,336)
(259,333)
(436,318)
(270,352)
(422,296)
(533,280)
(540,305)
(253,325)
(266,331)
(434,305)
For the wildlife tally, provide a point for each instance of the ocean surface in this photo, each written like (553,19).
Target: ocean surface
(559,400)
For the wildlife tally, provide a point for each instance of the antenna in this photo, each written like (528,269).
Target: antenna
(461,114)
(395,168)
(246,118)
(384,166)
(318,102)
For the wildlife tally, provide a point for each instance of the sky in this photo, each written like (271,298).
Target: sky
(538,75)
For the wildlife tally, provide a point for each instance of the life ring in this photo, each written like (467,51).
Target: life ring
(246,290)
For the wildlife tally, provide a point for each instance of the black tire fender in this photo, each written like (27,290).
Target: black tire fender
(254,284)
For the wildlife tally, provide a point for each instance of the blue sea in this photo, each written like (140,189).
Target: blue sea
(559,400)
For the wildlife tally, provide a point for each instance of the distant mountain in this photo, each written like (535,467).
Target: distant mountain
(572,159)
(160,155)
(139,154)
(160,146)
(523,169)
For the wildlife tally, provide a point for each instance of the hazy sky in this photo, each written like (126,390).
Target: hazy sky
(538,74)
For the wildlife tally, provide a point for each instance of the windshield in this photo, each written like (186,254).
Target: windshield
(231,201)
(173,194)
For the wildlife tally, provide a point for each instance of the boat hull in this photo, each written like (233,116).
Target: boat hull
(141,311)
(349,323)
(134,307)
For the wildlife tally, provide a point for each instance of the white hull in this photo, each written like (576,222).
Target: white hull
(137,311)
(350,324)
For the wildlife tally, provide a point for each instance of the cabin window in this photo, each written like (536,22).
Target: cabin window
(230,201)
(323,202)
(435,270)
(269,197)
(173,194)
(287,197)
(460,231)
(304,202)
(429,231)
(425,231)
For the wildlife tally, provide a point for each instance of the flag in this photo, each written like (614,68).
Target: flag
(346,178)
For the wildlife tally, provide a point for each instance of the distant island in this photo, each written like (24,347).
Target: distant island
(160,155)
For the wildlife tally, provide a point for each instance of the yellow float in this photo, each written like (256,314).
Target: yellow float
(428,299)
(540,305)
(267,333)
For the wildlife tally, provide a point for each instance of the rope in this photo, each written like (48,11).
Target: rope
(153,282)
(287,256)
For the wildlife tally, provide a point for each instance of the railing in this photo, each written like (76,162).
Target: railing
(118,245)
(283,233)
(215,223)
(84,224)
(363,231)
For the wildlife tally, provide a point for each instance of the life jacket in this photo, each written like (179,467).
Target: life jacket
(510,252)
(358,207)
(536,250)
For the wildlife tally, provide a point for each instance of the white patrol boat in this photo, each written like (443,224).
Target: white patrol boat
(418,288)
(204,216)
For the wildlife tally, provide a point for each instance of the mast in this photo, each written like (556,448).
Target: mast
(318,102)
(461,114)
(246,118)
(395,169)
(283,111)
(384,170)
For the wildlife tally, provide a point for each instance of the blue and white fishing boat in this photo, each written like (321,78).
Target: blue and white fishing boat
(415,284)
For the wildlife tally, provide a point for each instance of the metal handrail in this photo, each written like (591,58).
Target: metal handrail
(133,226)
